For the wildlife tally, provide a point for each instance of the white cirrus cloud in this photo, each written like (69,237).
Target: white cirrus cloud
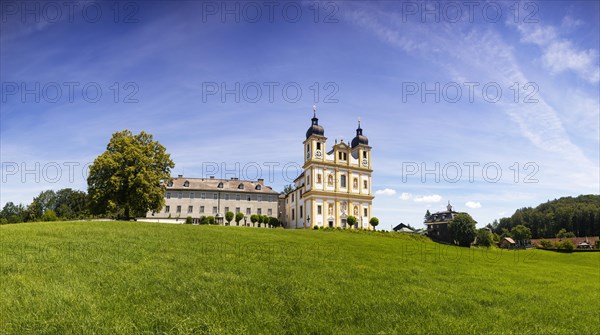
(473,204)
(429,198)
(406,196)
(387,191)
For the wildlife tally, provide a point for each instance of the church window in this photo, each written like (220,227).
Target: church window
(343,180)
(365,184)
(318,145)
(319,209)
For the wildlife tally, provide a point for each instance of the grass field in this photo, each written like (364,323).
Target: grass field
(143,278)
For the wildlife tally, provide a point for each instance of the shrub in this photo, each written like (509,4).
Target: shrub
(546,244)
(351,220)
(49,215)
(484,237)
(189,220)
(229,217)
(203,220)
(238,217)
(598,244)
(566,245)
(210,219)
(563,233)
(374,222)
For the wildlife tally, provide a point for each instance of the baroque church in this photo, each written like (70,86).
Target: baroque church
(335,183)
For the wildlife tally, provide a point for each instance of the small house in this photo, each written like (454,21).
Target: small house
(508,243)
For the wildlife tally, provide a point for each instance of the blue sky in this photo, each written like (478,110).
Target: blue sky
(171,61)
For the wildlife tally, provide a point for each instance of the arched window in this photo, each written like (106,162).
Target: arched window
(257,187)
(220,185)
(186,184)
(241,186)
(170,184)
(330,180)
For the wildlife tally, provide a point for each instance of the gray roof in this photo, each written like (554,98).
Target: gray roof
(229,185)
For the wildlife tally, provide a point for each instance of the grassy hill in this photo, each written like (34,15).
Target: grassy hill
(134,277)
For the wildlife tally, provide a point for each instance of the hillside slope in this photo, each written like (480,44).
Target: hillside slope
(133,277)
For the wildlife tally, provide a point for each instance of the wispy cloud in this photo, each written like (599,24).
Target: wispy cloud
(429,198)
(387,192)
(473,204)
(560,54)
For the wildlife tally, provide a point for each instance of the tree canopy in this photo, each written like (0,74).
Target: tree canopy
(127,178)
(462,229)
(580,215)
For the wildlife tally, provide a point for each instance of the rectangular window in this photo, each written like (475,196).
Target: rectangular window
(192,195)
(343,180)
(345,156)
(226,196)
(168,195)
(178,209)
(248,211)
(201,209)
(301,211)
(293,215)
(366,210)
(214,210)
(269,211)
(179,195)
(190,209)
(237,210)
(226,209)
(259,198)
(167,209)
(215,196)
(364,154)
(365,184)
(339,155)
(259,211)
(292,197)
(318,145)
(202,195)
(237,197)
(319,180)
(319,210)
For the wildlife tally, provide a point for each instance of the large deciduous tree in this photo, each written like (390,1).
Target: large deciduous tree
(462,229)
(127,179)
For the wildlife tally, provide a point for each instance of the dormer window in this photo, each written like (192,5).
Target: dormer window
(170,184)
(186,184)
(220,185)
(241,186)
(258,188)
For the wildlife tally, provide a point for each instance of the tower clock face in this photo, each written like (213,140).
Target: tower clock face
(365,162)
(318,153)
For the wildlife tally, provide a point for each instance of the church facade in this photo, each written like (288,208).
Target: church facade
(335,182)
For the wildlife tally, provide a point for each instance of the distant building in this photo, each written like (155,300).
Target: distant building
(508,243)
(437,224)
(334,184)
(400,227)
(197,197)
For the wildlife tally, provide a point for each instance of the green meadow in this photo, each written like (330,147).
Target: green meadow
(152,278)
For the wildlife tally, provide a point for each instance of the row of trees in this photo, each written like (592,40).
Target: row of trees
(66,204)
(256,219)
(463,232)
(577,215)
